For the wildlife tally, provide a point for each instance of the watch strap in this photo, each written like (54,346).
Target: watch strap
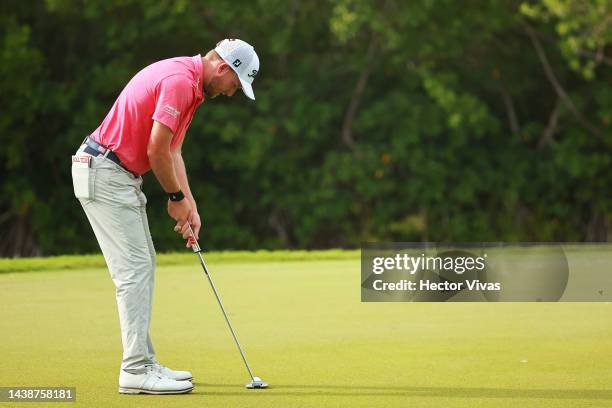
(178,196)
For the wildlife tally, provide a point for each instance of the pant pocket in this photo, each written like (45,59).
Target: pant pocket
(83,181)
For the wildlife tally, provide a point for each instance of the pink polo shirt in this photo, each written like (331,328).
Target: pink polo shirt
(168,91)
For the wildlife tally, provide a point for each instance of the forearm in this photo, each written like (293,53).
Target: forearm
(181,174)
(161,158)
(162,164)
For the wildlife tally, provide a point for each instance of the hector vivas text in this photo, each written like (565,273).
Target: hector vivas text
(442,265)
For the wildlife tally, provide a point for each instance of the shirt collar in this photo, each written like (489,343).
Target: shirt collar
(199,68)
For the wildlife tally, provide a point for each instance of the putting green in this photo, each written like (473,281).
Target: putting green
(305,332)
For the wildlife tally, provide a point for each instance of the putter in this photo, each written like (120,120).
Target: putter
(256,382)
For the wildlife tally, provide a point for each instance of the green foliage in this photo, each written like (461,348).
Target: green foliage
(584,29)
(458,133)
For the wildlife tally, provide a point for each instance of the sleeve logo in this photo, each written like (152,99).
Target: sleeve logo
(171,110)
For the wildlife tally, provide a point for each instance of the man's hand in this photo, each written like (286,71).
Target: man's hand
(180,211)
(183,228)
(196,224)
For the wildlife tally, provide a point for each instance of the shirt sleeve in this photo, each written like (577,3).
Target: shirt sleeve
(174,96)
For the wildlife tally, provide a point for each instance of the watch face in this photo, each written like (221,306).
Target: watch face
(178,196)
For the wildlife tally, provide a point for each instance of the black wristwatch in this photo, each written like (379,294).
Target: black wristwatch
(178,196)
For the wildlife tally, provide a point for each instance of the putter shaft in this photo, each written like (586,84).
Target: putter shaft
(196,248)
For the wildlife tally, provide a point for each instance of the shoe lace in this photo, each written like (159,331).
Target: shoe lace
(156,368)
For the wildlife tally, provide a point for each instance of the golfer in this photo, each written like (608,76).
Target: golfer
(143,131)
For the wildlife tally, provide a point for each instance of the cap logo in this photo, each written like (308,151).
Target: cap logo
(252,74)
(237,63)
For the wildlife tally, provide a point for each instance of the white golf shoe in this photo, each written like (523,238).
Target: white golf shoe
(151,382)
(174,374)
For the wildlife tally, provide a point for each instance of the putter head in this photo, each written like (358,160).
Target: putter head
(257,383)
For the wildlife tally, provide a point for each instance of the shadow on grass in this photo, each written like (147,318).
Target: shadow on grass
(408,391)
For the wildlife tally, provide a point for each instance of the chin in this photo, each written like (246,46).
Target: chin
(209,94)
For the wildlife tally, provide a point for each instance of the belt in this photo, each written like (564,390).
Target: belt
(96,149)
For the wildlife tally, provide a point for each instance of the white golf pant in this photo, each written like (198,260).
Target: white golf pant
(116,208)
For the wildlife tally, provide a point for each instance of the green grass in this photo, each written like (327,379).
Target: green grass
(65,262)
(306,332)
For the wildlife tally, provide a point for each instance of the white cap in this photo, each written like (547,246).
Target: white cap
(243,59)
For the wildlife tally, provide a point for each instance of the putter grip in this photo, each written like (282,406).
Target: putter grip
(194,242)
